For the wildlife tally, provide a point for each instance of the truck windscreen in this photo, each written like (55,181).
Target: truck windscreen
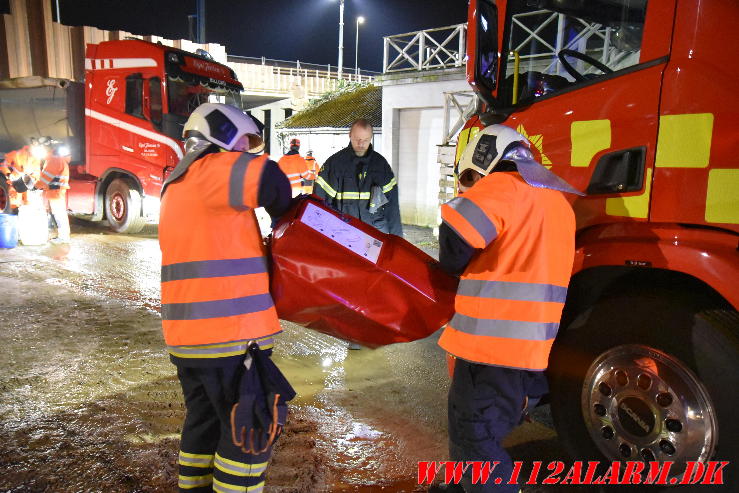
(548,50)
(184,96)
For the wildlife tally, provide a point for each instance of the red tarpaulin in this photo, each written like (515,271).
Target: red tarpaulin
(335,274)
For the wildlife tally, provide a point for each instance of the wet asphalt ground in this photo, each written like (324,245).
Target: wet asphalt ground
(90,402)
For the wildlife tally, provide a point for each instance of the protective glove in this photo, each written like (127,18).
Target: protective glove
(259,416)
(377,199)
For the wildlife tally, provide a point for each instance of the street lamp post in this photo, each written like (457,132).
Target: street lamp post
(360,20)
(341,37)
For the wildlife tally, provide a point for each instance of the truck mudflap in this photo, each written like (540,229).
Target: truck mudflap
(335,274)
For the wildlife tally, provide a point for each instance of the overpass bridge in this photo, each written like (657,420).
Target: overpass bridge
(31,43)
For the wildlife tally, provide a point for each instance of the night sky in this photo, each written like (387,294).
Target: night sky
(305,30)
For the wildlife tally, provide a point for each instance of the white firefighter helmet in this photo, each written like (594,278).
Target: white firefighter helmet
(224,126)
(497,143)
(487,148)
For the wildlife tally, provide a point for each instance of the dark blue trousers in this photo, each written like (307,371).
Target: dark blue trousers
(208,459)
(485,404)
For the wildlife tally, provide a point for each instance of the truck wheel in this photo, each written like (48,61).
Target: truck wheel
(4,196)
(123,207)
(648,376)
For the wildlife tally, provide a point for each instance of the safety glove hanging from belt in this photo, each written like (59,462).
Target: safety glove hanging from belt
(377,199)
(259,416)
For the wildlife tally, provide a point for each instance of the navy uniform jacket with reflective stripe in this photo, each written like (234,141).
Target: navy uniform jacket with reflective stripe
(346,182)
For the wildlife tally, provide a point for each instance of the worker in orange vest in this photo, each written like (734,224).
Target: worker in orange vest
(215,291)
(313,169)
(511,237)
(296,169)
(8,194)
(54,181)
(22,169)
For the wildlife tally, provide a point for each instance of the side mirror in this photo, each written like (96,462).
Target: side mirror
(482,48)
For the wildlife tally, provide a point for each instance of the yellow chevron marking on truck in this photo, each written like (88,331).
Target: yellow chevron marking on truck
(634,206)
(722,196)
(684,141)
(589,137)
(538,142)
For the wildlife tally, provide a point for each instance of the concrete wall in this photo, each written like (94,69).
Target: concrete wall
(412,119)
(31,44)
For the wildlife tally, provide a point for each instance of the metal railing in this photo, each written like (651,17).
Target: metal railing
(293,79)
(438,48)
(298,65)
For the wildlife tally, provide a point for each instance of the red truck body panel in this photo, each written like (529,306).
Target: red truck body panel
(677,104)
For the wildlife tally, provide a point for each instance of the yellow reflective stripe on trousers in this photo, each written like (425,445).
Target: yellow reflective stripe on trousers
(189,482)
(390,185)
(221,487)
(326,187)
(220,350)
(236,468)
(195,460)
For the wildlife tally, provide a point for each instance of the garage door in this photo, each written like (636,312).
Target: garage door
(420,131)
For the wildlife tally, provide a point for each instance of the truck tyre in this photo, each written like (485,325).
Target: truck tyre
(4,196)
(123,207)
(645,376)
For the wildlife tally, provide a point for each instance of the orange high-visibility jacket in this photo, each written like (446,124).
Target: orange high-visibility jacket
(295,168)
(8,165)
(22,161)
(27,163)
(510,296)
(215,285)
(313,167)
(54,177)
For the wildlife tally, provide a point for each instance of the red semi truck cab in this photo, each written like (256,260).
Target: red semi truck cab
(632,102)
(137,97)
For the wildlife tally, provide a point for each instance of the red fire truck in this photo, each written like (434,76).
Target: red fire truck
(632,102)
(123,125)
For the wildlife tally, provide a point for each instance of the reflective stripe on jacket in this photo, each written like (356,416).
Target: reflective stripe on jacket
(346,182)
(313,167)
(295,168)
(55,173)
(510,296)
(54,178)
(215,284)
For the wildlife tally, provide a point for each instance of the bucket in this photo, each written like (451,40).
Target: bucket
(33,225)
(8,231)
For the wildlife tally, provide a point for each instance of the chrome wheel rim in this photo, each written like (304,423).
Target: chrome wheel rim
(639,403)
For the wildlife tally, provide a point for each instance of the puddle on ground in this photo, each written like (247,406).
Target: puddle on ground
(90,402)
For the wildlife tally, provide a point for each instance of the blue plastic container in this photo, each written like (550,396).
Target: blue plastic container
(8,231)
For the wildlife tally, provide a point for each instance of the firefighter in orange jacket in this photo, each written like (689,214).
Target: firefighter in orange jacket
(313,169)
(54,181)
(296,169)
(215,287)
(511,237)
(22,169)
